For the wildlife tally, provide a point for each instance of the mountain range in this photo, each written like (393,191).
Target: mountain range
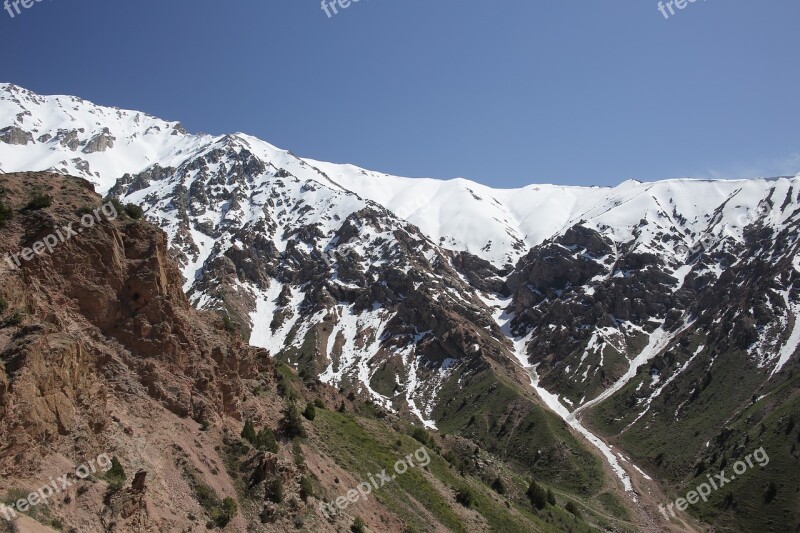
(618,344)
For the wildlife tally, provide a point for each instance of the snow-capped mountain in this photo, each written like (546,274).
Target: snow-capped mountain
(70,135)
(619,302)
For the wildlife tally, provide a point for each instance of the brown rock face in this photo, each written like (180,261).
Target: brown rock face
(96,331)
(118,276)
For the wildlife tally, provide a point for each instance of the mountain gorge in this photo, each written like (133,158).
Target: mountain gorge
(617,344)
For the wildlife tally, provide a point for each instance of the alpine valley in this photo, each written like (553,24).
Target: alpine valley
(617,346)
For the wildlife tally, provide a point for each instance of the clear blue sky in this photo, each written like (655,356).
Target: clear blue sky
(504,92)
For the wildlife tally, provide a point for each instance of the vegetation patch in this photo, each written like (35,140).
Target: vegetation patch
(115,477)
(263,440)
(39,200)
(219,511)
(6,213)
(501,420)
(134,211)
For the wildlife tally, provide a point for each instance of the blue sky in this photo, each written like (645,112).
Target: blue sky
(507,92)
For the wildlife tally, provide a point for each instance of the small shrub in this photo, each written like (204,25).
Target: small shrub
(3,305)
(421,435)
(454,460)
(220,512)
(134,211)
(537,495)
(292,423)
(230,506)
(285,387)
(306,489)
(249,432)
(15,319)
(358,526)
(297,451)
(465,497)
(274,490)
(311,412)
(85,210)
(498,486)
(265,441)
(118,207)
(227,323)
(226,512)
(205,497)
(572,508)
(551,498)
(6,214)
(115,475)
(38,201)
(319,404)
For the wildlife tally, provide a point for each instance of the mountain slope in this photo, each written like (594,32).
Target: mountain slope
(429,296)
(101,353)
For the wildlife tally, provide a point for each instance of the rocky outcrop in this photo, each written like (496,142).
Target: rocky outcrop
(15,135)
(100,142)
